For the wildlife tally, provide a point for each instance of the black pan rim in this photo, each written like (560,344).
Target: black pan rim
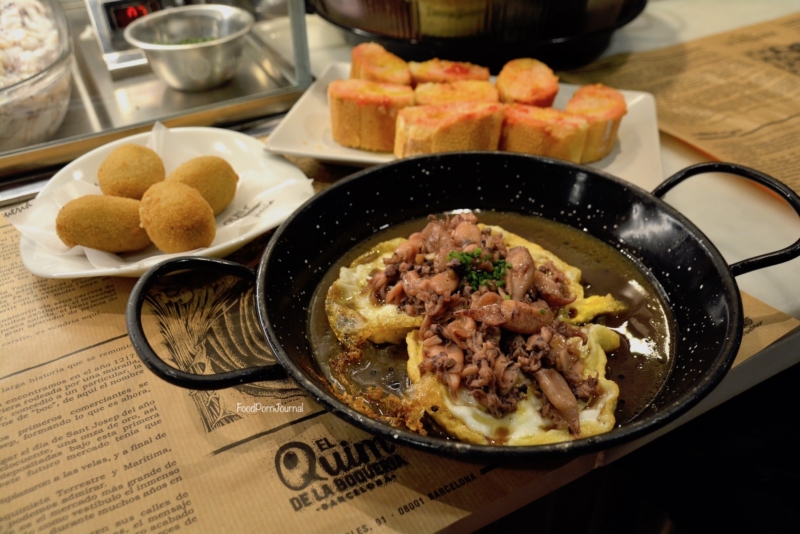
(494,453)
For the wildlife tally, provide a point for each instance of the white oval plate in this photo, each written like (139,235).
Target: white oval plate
(269,189)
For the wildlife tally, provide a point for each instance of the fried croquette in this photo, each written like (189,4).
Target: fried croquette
(177,217)
(212,176)
(101,222)
(129,170)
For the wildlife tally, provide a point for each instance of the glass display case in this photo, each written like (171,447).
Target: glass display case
(93,87)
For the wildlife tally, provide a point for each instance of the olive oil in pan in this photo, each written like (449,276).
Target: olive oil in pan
(382,366)
(639,367)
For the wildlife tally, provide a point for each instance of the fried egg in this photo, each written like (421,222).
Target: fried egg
(354,319)
(462,417)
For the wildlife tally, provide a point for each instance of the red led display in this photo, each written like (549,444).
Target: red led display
(125,14)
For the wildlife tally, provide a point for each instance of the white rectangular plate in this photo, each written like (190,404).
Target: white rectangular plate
(306,131)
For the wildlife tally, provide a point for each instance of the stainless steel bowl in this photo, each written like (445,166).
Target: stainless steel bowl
(192,48)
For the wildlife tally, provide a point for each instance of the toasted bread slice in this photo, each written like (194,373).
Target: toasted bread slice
(543,132)
(431,93)
(441,70)
(604,108)
(363,113)
(448,127)
(527,81)
(370,61)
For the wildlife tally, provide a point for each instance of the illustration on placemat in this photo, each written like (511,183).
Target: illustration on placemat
(212,328)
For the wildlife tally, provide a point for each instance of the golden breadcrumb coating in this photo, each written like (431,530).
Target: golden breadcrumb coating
(212,176)
(129,170)
(102,222)
(177,217)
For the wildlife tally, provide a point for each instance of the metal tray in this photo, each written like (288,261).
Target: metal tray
(103,109)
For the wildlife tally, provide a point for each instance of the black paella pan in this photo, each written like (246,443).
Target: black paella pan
(698,285)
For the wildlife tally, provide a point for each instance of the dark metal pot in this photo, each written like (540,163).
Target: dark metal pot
(562,33)
(638,223)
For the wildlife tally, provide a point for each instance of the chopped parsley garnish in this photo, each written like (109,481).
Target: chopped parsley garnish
(472,264)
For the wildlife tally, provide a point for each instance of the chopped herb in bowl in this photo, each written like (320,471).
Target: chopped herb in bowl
(191,40)
(195,40)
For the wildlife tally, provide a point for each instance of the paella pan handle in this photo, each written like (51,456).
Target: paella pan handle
(757,262)
(161,368)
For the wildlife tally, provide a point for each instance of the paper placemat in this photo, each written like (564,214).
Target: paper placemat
(735,95)
(91,441)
